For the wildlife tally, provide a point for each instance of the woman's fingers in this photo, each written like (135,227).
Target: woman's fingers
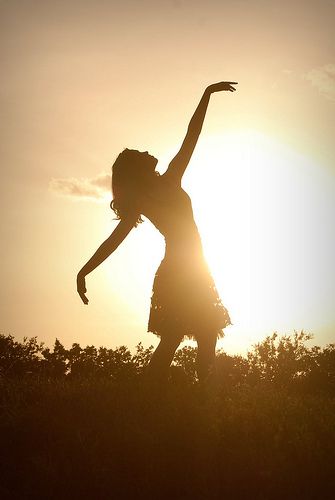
(218,87)
(226,84)
(83,298)
(231,85)
(81,289)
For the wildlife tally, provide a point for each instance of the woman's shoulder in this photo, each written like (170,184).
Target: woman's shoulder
(158,193)
(169,181)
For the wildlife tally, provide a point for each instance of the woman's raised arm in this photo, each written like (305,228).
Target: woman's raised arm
(108,246)
(179,163)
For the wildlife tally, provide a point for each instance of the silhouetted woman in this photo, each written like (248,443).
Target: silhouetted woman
(185,302)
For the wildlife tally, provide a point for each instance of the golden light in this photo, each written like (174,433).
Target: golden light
(263,211)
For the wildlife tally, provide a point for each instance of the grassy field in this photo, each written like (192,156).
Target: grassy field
(114,439)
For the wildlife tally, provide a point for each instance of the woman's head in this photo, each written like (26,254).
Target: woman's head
(132,173)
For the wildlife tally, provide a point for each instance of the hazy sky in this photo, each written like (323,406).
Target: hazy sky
(81,80)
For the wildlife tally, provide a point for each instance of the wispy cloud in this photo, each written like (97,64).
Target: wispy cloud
(324,79)
(95,188)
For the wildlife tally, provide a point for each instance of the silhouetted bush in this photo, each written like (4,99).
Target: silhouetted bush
(287,362)
(19,358)
(83,423)
(284,361)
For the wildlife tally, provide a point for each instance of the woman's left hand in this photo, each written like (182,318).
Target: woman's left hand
(81,287)
(218,87)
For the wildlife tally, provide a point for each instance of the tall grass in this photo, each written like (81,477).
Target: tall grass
(84,423)
(100,439)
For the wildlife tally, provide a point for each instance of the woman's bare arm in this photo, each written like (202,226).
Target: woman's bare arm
(179,163)
(108,246)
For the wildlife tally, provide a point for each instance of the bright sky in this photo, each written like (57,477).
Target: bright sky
(81,80)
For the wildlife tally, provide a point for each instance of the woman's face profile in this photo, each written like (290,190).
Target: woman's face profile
(149,161)
(150,157)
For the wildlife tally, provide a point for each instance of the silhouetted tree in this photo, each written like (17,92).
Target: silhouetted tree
(55,362)
(231,371)
(321,369)
(19,358)
(284,361)
(287,360)
(142,356)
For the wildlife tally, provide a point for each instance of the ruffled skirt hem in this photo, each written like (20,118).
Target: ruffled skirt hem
(185,302)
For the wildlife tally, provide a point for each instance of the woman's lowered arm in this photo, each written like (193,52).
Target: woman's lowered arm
(105,250)
(179,163)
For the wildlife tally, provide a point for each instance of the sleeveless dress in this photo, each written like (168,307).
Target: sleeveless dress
(184,300)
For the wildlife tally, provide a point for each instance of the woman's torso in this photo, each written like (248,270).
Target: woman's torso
(169,208)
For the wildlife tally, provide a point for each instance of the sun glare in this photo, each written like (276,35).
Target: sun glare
(263,212)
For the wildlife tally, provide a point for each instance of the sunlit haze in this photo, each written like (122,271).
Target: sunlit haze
(83,80)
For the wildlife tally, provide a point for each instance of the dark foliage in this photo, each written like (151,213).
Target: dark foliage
(30,358)
(285,362)
(84,423)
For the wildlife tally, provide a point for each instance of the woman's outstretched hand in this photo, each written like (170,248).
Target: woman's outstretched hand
(218,87)
(81,287)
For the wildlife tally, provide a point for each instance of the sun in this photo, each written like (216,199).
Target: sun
(264,211)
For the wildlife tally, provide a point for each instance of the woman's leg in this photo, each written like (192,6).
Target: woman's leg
(206,356)
(162,357)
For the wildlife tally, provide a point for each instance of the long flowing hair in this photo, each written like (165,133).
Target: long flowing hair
(129,175)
